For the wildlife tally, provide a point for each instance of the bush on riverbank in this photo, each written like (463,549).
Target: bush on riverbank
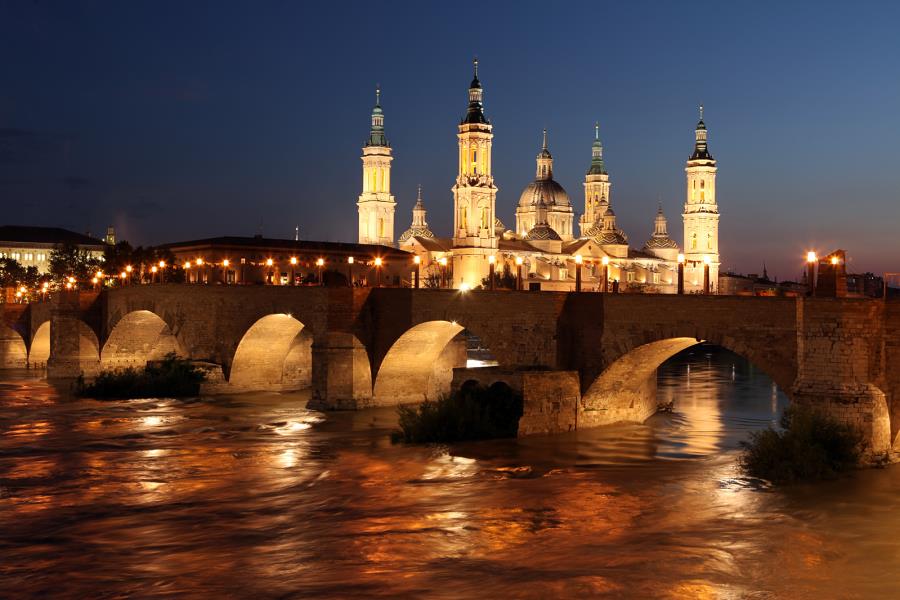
(810,446)
(171,377)
(474,412)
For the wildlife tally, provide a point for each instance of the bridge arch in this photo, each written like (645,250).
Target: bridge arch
(626,389)
(419,364)
(274,353)
(13,353)
(88,348)
(136,338)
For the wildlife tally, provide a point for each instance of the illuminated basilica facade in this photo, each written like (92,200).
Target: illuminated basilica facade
(543,244)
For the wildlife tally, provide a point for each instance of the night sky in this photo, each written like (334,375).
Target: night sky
(181,120)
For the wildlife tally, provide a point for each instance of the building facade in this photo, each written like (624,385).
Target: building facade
(543,245)
(31,246)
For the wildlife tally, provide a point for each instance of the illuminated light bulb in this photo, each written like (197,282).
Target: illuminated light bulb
(834,260)
(680,259)
(293,260)
(377,261)
(811,257)
(464,287)
(162,264)
(349,260)
(605,261)
(199,261)
(226,262)
(269,262)
(128,269)
(519,261)
(320,262)
(578,259)
(417,259)
(187,265)
(492,259)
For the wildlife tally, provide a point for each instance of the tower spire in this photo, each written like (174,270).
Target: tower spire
(701,151)
(475,113)
(544,147)
(376,133)
(597,166)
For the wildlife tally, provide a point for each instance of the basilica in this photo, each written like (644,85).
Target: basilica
(543,250)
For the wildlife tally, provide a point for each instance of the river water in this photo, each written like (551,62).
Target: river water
(255,497)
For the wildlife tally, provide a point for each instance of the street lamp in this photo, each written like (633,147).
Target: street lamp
(491,270)
(519,262)
(811,260)
(162,271)
(225,264)
(378,263)
(681,273)
(319,264)
(604,272)
(293,265)
(201,274)
(417,260)
(350,270)
(578,261)
(153,271)
(271,277)
(128,269)
(706,262)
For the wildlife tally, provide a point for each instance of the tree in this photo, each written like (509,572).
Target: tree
(68,260)
(503,280)
(11,272)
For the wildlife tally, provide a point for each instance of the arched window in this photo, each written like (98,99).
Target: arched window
(694,241)
(702,184)
(463,218)
(709,241)
(484,217)
(380,227)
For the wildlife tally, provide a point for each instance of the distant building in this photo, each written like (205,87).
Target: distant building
(259,260)
(734,284)
(865,285)
(31,246)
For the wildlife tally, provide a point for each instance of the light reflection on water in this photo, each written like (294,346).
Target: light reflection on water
(254,496)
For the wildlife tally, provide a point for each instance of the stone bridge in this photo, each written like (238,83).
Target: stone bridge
(582,359)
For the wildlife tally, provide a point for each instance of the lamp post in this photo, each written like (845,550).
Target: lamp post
(706,275)
(122,276)
(443,263)
(187,270)
(225,264)
(350,270)
(578,261)
(201,270)
(44,287)
(378,271)
(319,264)
(153,271)
(519,262)
(271,276)
(293,266)
(162,271)
(129,269)
(681,273)
(492,270)
(811,260)
(417,260)
(604,274)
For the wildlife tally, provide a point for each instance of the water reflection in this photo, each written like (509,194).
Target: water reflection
(254,496)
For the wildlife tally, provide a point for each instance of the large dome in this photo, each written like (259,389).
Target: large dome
(548,189)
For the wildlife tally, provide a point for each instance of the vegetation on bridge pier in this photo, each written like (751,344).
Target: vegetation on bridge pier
(810,446)
(474,412)
(171,377)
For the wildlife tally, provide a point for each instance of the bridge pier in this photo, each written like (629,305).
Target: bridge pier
(341,375)
(839,357)
(74,349)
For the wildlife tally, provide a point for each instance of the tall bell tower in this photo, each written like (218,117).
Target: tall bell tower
(474,194)
(376,204)
(596,187)
(701,215)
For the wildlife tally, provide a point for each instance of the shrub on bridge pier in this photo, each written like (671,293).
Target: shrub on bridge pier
(810,446)
(171,377)
(474,412)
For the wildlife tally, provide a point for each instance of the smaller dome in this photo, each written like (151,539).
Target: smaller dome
(422,232)
(613,236)
(658,243)
(542,231)
(609,212)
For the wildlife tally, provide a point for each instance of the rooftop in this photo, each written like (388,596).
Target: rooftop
(45,235)
(259,242)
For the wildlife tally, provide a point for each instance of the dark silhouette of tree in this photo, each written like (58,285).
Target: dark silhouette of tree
(503,280)
(68,260)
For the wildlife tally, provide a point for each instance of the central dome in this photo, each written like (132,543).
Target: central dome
(552,193)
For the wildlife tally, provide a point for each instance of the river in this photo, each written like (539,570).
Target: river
(253,496)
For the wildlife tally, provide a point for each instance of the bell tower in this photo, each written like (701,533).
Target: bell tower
(474,193)
(596,187)
(701,215)
(376,204)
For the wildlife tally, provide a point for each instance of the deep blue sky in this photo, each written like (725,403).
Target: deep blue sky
(179,120)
